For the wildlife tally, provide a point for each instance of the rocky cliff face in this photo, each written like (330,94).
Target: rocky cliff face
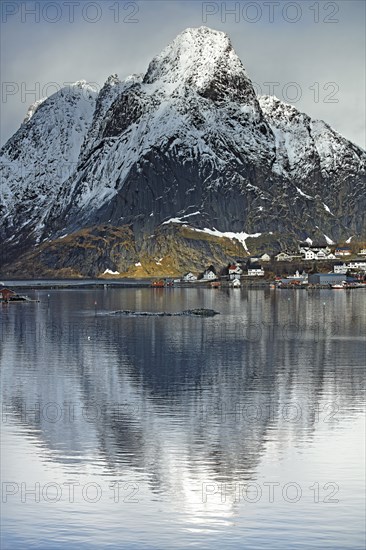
(187,145)
(38,159)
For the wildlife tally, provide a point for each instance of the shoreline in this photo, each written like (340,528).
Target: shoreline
(90,284)
(30,284)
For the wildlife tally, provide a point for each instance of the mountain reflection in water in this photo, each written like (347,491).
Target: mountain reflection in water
(175,403)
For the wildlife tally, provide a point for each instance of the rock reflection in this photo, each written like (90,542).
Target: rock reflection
(181,401)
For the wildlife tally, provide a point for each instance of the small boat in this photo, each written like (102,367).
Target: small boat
(158,284)
(345,286)
(215,284)
(235,283)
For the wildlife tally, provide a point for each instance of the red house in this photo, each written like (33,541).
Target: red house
(5,294)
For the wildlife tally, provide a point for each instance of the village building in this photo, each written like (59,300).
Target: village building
(326,278)
(189,277)
(309,255)
(363,252)
(255,270)
(265,258)
(321,255)
(209,275)
(234,268)
(357,265)
(6,294)
(316,252)
(300,277)
(304,247)
(283,257)
(234,271)
(343,251)
(340,268)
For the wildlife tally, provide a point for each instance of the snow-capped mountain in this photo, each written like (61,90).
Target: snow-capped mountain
(327,167)
(186,146)
(41,156)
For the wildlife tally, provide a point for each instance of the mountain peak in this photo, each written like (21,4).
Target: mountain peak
(82,85)
(113,80)
(204,59)
(203,37)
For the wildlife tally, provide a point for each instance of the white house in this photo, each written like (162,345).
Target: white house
(299,276)
(340,268)
(235,270)
(189,277)
(314,252)
(343,251)
(283,257)
(303,247)
(320,253)
(363,252)
(255,271)
(295,276)
(309,255)
(209,275)
(357,265)
(265,258)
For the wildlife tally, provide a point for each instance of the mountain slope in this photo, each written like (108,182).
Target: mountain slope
(170,135)
(40,156)
(188,144)
(329,169)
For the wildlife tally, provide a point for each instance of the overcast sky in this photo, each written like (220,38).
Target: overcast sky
(312,52)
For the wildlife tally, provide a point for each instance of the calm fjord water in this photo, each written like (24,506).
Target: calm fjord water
(245,430)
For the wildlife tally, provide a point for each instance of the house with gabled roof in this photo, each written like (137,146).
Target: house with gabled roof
(6,294)
(255,270)
(189,277)
(209,274)
(343,251)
